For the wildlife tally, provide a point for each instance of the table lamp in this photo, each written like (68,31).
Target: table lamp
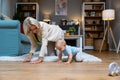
(108,15)
(46,18)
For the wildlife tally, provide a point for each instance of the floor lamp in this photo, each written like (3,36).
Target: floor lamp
(108,15)
(118,46)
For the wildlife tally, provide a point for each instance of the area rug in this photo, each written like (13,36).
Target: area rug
(85,58)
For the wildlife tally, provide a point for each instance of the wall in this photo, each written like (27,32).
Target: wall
(74,10)
(115,24)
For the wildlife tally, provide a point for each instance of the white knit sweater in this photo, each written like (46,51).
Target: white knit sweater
(49,33)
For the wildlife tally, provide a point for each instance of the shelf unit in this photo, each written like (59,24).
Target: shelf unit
(93,25)
(28,9)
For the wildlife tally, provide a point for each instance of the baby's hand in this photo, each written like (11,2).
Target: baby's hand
(59,61)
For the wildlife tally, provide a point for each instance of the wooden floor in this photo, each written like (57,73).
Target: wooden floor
(54,71)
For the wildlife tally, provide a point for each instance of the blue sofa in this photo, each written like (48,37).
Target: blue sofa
(12,42)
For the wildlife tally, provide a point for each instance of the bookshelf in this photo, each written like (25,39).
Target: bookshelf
(93,25)
(28,9)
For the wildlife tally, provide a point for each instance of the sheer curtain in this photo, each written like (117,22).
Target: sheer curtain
(5,7)
(0,6)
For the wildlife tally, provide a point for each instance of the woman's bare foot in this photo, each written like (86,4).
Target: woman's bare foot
(28,57)
(39,60)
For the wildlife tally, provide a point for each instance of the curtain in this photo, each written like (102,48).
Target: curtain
(0,6)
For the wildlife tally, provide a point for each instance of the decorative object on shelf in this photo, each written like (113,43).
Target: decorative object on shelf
(108,15)
(92,13)
(63,22)
(67,33)
(33,7)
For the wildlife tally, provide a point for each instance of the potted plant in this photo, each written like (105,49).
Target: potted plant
(72,30)
(67,33)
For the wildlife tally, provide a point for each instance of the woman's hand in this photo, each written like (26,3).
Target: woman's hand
(28,57)
(39,60)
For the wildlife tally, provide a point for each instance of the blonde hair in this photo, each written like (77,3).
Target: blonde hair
(28,22)
(60,42)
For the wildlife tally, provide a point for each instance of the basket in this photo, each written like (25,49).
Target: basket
(89,42)
(97,44)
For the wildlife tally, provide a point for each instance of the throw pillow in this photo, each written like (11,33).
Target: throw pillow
(4,17)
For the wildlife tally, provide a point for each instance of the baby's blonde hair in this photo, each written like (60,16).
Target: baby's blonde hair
(60,42)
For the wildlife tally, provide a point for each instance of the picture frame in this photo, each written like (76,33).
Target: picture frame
(61,7)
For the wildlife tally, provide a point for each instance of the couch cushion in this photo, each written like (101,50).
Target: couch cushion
(9,23)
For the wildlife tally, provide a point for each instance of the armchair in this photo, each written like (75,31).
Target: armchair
(12,42)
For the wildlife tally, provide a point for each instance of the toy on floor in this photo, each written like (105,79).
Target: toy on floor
(114,69)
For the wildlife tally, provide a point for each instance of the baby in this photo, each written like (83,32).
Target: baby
(70,51)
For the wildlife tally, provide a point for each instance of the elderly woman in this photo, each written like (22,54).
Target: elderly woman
(48,34)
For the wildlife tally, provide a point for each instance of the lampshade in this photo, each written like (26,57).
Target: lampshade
(46,17)
(108,14)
